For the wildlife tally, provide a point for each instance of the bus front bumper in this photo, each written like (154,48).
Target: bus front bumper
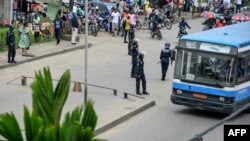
(202,104)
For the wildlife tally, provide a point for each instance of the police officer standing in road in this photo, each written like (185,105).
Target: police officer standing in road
(165,56)
(10,40)
(134,53)
(139,74)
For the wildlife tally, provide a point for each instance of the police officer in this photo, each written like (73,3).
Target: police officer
(165,56)
(130,44)
(10,40)
(139,74)
(134,53)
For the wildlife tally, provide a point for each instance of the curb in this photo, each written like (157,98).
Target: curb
(117,120)
(45,55)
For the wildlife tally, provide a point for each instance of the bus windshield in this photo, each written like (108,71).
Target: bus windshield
(205,68)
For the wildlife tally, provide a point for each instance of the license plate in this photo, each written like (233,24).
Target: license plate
(200,96)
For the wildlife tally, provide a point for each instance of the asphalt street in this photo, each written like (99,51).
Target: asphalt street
(109,65)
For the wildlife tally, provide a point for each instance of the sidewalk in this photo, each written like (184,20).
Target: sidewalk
(40,51)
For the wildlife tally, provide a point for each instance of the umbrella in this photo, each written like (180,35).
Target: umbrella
(208,14)
(241,17)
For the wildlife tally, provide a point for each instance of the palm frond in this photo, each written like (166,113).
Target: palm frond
(89,118)
(32,124)
(9,127)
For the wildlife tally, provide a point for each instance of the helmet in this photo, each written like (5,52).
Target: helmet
(167,45)
(136,40)
(221,18)
(11,27)
(142,53)
(96,7)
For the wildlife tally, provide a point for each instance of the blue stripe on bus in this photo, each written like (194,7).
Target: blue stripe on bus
(239,95)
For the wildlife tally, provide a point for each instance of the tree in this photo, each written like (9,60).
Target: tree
(43,123)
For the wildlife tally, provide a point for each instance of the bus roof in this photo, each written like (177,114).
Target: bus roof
(237,35)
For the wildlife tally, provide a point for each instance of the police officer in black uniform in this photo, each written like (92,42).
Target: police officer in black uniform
(132,43)
(10,40)
(165,56)
(139,74)
(134,53)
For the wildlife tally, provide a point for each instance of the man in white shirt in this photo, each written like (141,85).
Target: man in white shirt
(115,20)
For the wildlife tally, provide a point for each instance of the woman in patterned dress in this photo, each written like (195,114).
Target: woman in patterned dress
(24,41)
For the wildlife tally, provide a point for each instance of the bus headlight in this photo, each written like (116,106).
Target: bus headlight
(222,99)
(179,91)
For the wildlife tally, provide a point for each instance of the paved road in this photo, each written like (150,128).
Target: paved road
(109,65)
(167,121)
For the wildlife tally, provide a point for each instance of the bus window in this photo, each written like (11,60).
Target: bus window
(243,71)
(205,68)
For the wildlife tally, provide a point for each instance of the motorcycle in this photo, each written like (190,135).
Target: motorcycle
(182,31)
(157,32)
(104,24)
(137,23)
(91,27)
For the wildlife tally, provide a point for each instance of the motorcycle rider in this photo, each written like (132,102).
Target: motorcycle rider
(134,49)
(156,20)
(210,22)
(165,56)
(99,18)
(182,26)
(92,16)
(220,22)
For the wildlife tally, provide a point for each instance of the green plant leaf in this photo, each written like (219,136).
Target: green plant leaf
(32,124)
(9,127)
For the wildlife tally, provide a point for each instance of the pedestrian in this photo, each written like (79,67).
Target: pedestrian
(58,26)
(74,27)
(115,21)
(124,16)
(36,28)
(10,40)
(24,41)
(139,74)
(164,57)
(126,28)
(134,47)
(238,5)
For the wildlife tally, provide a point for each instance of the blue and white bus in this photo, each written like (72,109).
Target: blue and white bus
(212,69)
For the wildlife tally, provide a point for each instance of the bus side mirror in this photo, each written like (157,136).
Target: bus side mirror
(173,52)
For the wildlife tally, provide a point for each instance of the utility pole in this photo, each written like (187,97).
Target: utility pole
(11,11)
(86,54)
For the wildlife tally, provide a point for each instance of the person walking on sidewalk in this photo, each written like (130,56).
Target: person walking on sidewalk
(139,74)
(24,41)
(165,56)
(10,40)
(75,26)
(58,25)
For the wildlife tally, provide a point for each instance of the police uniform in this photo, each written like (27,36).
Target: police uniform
(165,56)
(134,54)
(140,76)
(10,39)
